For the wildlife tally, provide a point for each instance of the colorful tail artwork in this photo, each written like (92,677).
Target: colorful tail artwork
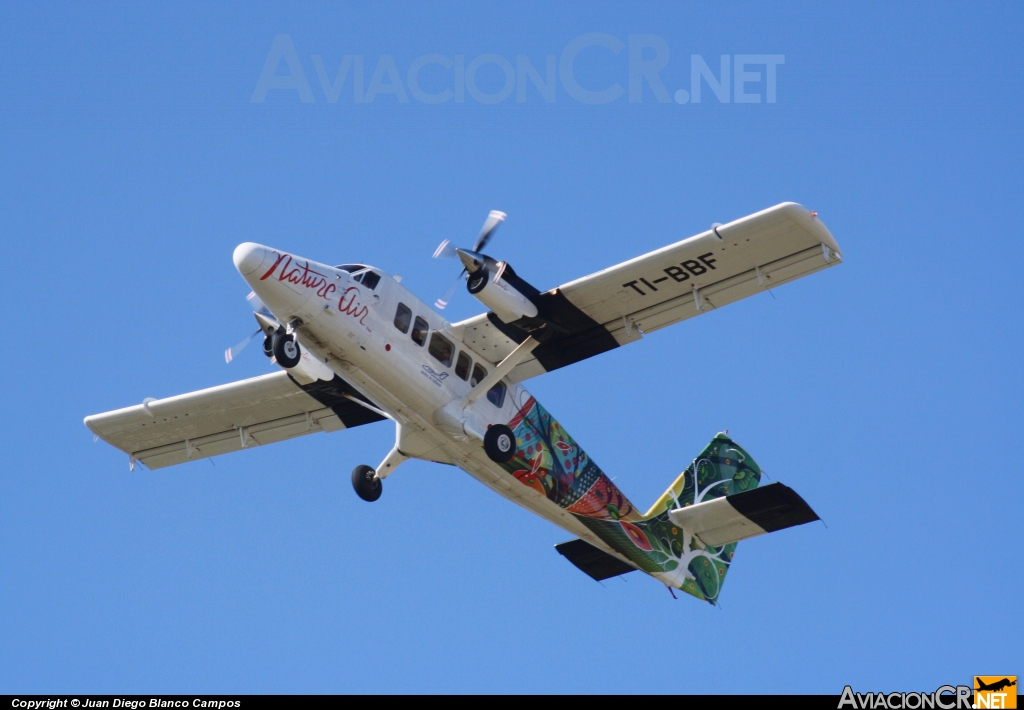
(551,462)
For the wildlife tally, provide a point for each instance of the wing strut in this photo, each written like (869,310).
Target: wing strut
(501,371)
(373,409)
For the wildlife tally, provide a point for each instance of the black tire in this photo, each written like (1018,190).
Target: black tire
(287,351)
(268,346)
(500,443)
(366,484)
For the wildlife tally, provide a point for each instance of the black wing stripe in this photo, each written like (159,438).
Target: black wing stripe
(773,507)
(332,394)
(573,348)
(566,334)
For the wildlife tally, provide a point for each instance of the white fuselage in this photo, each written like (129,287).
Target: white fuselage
(355,330)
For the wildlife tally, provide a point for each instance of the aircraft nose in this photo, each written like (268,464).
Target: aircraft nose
(248,257)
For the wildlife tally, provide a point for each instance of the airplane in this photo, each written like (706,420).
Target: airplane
(353,346)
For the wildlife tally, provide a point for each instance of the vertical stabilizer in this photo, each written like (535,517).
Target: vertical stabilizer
(722,469)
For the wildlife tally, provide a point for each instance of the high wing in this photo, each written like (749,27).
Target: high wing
(618,305)
(218,420)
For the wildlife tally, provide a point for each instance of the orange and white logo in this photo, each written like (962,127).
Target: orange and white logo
(995,691)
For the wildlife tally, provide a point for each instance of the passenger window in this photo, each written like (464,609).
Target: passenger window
(479,374)
(462,366)
(496,395)
(370,279)
(441,349)
(402,317)
(419,331)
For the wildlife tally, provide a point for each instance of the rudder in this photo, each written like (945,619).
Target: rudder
(722,469)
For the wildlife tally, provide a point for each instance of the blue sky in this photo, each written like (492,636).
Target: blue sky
(886,391)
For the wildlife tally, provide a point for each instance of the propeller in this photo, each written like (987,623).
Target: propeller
(258,306)
(446,251)
(232,352)
(494,218)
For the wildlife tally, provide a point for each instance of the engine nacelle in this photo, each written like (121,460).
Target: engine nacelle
(499,295)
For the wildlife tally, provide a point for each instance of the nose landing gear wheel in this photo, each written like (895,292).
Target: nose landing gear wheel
(287,351)
(367,485)
(500,443)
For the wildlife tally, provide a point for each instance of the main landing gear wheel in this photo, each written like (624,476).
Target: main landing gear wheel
(286,350)
(367,485)
(500,443)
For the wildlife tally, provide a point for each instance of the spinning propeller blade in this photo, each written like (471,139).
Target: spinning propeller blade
(258,305)
(442,302)
(490,225)
(445,250)
(232,352)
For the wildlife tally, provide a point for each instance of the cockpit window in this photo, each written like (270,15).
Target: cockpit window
(370,279)
(367,278)
(419,331)
(403,316)
(442,349)
(351,268)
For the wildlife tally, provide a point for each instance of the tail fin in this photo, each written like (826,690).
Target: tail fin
(713,505)
(723,468)
(688,538)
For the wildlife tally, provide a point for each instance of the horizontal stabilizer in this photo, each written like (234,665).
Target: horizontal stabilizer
(594,562)
(748,514)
